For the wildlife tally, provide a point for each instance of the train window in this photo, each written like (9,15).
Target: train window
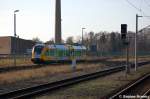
(79,53)
(72,53)
(56,52)
(64,53)
(46,53)
(61,53)
(67,53)
(51,52)
(76,52)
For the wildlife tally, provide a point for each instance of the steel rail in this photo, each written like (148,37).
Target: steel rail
(147,93)
(121,93)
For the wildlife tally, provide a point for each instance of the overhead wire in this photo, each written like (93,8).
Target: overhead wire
(138,9)
(142,21)
(147,3)
(133,5)
(141,4)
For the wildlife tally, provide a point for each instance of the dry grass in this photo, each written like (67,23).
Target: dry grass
(131,59)
(27,61)
(96,89)
(11,77)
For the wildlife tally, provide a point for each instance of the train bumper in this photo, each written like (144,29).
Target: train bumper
(37,60)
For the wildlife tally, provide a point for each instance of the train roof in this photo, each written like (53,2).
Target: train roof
(79,47)
(40,44)
(65,47)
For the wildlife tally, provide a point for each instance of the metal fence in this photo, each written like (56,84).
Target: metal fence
(8,60)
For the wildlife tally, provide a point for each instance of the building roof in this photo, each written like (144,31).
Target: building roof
(14,37)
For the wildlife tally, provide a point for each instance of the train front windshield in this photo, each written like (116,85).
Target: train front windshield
(38,49)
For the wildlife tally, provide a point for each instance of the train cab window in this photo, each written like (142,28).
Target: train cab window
(38,49)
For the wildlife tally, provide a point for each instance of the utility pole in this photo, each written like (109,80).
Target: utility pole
(58,22)
(82,34)
(136,37)
(15,45)
(127,56)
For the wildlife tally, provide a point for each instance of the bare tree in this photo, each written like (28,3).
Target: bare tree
(69,40)
(50,41)
(37,40)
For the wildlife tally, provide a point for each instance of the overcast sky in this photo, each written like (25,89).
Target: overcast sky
(36,17)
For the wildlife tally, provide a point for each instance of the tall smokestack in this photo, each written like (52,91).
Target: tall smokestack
(58,22)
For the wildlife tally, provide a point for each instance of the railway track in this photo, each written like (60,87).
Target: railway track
(137,90)
(18,68)
(33,66)
(15,68)
(38,90)
(35,90)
